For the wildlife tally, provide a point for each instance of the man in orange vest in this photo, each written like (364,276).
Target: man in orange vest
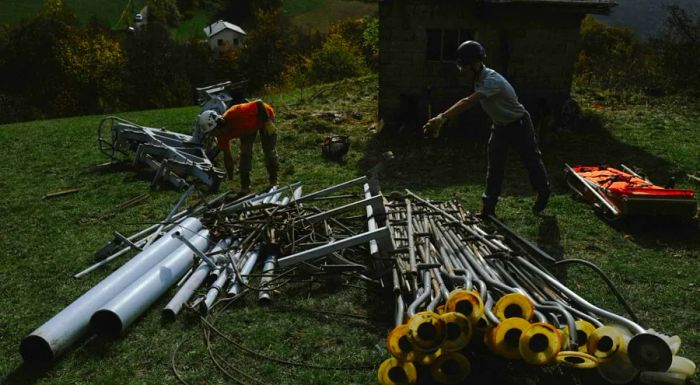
(244,121)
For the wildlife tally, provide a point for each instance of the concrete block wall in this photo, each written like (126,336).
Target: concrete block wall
(535,48)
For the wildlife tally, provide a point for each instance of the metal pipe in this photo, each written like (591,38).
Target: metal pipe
(52,338)
(122,310)
(635,328)
(170,215)
(268,269)
(213,292)
(236,282)
(173,308)
(331,189)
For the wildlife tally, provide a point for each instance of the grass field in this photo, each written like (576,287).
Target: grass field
(44,242)
(320,14)
(12,11)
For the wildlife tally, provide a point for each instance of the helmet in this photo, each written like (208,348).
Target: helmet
(335,146)
(470,51)
(208,120)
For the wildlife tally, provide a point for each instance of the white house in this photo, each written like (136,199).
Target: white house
(224,34)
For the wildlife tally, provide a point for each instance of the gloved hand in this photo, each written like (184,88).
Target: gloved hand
(434,125)
(270,128)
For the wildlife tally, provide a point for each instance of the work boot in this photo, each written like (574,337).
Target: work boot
(488,207)
(245,182)
(540,202)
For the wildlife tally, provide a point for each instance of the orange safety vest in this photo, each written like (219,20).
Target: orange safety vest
(242,119)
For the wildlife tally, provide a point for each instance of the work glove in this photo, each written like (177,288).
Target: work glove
(270,128)
(434,125)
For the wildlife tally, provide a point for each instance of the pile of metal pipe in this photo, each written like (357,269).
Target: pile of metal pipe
(460,283)
(210,251)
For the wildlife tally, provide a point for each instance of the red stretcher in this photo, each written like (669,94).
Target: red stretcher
(616,193)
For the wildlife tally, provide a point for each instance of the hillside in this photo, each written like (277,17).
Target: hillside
(646,17)
(44,242)
(12,11)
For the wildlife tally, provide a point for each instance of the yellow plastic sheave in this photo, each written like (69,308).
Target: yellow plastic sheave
(426,331)
(467,302)
(428,358)
(605,341)
(450,368)
(584,329)
(540,343)
(578,360)
(459,331)
(401,347)
(506,337)
(514,305)
(395,372)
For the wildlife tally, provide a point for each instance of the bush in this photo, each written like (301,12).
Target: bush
(337,59)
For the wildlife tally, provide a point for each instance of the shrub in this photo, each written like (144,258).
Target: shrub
(337,59)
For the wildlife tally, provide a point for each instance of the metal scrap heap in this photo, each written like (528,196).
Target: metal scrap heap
(463,285)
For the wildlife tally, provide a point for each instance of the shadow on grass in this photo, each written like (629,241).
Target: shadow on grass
(446,162)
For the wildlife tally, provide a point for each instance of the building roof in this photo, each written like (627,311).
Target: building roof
(221,25)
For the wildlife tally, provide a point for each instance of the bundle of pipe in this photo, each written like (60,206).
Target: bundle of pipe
(278,228)
(457,284)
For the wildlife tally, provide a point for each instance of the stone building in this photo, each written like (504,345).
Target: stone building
(533,43)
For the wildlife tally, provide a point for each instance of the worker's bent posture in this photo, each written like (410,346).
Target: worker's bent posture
(244,121)
(512,126)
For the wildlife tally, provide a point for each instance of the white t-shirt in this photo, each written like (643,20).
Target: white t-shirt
(498,97)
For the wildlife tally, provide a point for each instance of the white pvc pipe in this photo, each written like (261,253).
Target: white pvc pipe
(120,312)
(235,288)
(52,338)
(195,280)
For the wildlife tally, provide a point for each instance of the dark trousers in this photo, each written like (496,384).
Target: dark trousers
(521,135)
(269,144)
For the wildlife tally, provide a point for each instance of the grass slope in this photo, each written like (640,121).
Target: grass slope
(44,242)
(320,14)
(12,11)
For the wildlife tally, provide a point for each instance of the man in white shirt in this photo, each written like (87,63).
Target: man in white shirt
(512,126)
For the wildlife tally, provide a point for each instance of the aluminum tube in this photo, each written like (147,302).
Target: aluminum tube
(371,222)
(268,269)
(235,288)
(411,244)
(331,189)
(52,338)
(109,259)
(400,306)
(636,329)
(422,297)
(213,292)
(171,310)
(120,312)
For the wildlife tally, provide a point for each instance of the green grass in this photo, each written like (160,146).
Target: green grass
(320,14)
(44,242)
(193,28)
(12,11)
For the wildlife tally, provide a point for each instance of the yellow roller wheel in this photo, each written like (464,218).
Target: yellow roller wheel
(459,331)
(395,372)
(605,341)
(584,329)
(506,337)
(514,305)
(467,302)
(401,347)
(540,343)
(428,358)
(451,368)
(426,331)
(578,360)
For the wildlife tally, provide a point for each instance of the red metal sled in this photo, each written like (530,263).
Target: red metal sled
(619,193)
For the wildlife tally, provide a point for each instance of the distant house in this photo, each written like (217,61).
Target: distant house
(533,43)
(224,34)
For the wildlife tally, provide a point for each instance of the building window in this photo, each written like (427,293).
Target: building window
(235,42)
(219,42)
(442,43)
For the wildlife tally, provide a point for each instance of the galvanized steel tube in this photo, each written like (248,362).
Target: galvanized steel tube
(52,338)
(122,310)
